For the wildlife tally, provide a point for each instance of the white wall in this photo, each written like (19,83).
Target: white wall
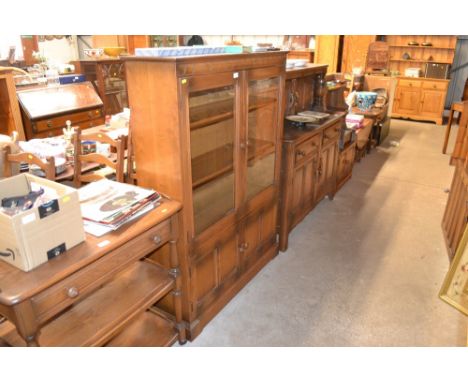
(276,40)
(59,51)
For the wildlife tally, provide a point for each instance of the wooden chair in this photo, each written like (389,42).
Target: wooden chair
(48,167)
(130,175)
(93,160)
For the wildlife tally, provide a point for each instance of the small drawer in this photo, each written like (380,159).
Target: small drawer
(306,149)
(60,121)
(410,83)
(435,85)
(331,134)
(68,291)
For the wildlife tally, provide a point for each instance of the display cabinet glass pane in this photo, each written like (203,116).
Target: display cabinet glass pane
(212,128)
(114,87)
(262,121)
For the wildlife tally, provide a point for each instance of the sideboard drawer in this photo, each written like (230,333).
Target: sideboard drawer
(306,149)
(331,134)
(410,83)
(435,85)
(68,291)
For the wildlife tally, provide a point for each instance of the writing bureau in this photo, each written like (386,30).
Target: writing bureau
(100,292)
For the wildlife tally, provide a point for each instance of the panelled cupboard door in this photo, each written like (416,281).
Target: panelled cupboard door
(303,190)
(432,102)
(259,140)
(407,100)
(258,234)
(213,117)
(214,264)
(325,172)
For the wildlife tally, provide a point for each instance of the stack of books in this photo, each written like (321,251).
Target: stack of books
(107,205)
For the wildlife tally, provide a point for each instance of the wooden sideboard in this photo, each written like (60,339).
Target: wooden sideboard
(421,99)
(45,110)
(100,292)
(308,171)
(207,131)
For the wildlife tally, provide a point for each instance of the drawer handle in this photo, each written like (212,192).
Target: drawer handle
(72,292)
(157,239)
(410,84)
(49,123)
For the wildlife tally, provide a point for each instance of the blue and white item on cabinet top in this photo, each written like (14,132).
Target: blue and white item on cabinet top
(195,50)
(365,100)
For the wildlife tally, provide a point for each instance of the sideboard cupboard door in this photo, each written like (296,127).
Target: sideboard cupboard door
(259,142)
(432,103)
(407,100)
(212,112)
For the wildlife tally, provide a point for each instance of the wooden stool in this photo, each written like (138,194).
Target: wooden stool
(456,106)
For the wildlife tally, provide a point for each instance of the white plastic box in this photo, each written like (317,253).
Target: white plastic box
(32,237)
(412,72)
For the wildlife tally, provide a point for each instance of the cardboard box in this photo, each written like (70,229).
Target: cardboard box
(32,237)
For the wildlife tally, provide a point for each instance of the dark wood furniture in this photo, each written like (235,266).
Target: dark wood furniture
(380,123)
(460,150)
(344,167)
(207,130)
(10,116)
(308,171)
(45,110)
(115,163)
(301,54)
(99,292)
(309,156)
(108,77)
(363,138)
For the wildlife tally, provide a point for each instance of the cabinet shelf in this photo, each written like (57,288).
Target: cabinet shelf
(214,112)
(95,320)
(148,329)
(217,162)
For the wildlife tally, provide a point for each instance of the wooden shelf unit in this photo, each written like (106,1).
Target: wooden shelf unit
(442,51)
(10,115)
(93,293)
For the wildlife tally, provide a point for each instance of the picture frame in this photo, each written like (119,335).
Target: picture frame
(454,290)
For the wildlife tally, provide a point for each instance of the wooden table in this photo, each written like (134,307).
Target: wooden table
(99,292)
(363,139)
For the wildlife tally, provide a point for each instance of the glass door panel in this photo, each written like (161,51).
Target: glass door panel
(212,127)
(261,134)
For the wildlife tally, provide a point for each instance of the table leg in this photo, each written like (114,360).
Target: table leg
(25,321)
(447,131)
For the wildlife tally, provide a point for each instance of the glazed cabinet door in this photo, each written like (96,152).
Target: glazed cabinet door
(213,110)
(215,264)
(407,100)
(259,139)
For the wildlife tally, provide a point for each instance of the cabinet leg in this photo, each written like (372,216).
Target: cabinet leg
(447,131)
(177,293)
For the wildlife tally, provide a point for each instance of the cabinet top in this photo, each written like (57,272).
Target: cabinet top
(423,79)
(206,57)
(294,134)
(17,286)
(305,71)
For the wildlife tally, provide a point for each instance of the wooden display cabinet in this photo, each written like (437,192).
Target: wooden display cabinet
(207,131)
(442,50)
(10,116)
(108,78)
